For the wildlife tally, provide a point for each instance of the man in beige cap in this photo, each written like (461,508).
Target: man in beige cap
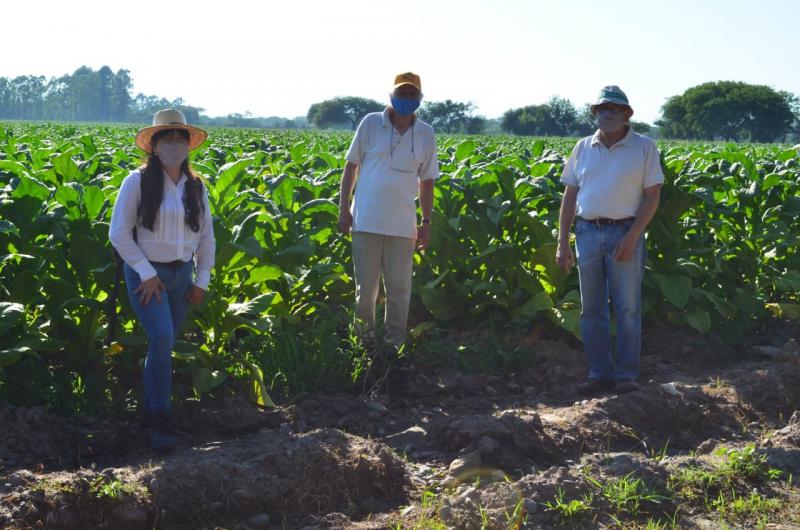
(391,161)
(613,181)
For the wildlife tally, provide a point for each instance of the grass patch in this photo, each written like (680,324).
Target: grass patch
(729,488)
(573,511)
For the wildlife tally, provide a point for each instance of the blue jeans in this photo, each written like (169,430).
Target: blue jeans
(161,322)
(602,277)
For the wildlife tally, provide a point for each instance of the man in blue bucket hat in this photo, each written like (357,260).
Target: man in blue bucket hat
(613,181)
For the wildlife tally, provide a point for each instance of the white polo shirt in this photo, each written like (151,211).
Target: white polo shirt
(610,182)
(391,166)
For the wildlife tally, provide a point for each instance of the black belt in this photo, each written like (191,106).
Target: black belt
(607,221)
(170,264)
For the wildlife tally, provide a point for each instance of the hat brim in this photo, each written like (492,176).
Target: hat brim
(145,136)
(615,101)
(409,84)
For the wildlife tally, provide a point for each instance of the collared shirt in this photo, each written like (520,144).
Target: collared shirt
(171,238)
(611,181)
(391,166)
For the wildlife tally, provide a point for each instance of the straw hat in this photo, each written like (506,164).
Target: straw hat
(165,120)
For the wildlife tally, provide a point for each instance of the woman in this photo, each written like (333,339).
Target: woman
(161,221)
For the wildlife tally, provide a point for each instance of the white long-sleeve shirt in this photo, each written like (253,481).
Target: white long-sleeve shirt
(171,238)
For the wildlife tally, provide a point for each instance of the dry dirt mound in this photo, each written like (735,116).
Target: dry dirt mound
(229,483)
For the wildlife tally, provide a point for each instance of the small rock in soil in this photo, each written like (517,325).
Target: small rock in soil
(670,389)
(465,464)
(376,406)
(259,521)
(706,446)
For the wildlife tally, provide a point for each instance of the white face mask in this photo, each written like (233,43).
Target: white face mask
(172,153)
(610,121)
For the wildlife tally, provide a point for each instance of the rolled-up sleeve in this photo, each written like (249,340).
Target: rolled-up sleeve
(206,247)
(123,221)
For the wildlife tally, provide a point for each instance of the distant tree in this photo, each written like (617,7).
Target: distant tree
(585,123)
(729,110)
(556,117)
(641,127)
(341,111)
(794,105)
(450,116)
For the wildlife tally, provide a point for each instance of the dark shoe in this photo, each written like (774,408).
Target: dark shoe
(594,387)
(627,385)
(161,439)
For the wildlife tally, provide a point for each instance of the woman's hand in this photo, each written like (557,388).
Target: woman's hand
(195,295)
(149,288)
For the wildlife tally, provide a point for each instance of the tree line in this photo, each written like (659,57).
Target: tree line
(721,110)
(105,96)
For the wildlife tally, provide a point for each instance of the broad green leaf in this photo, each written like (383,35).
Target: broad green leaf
(205,380)
(699,320)
(93,198)
(66,167)
(12,355)
(464,150)
(676,288)
(259,389)
(440,303)
(534,306)
(10,314)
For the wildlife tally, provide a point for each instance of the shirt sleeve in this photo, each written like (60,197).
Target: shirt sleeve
(356,152)
(653,172)
(568,177)
(123,221)
(429,168)
(206,247)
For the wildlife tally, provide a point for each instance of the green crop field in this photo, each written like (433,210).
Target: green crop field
(722,251)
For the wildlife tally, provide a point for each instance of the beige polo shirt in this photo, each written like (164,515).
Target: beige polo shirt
(391,167)
(611,182)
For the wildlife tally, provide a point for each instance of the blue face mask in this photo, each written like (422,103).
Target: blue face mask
(404,106)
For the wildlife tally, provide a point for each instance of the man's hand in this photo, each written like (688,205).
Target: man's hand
(345,220)
(149,288)
(626,247)
(564,256)
(195,295)
(423,236)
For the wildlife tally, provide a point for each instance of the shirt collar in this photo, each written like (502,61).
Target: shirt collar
(180,183)
(626,140)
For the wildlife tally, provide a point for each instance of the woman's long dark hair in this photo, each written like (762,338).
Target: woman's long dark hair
(153,188)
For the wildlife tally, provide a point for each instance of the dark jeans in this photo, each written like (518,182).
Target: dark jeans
(162,322)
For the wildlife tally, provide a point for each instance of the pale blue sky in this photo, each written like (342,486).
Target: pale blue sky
(276,58)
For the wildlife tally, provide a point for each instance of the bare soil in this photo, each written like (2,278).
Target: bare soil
(432,448)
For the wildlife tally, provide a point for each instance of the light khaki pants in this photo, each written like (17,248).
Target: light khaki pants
(376,255)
